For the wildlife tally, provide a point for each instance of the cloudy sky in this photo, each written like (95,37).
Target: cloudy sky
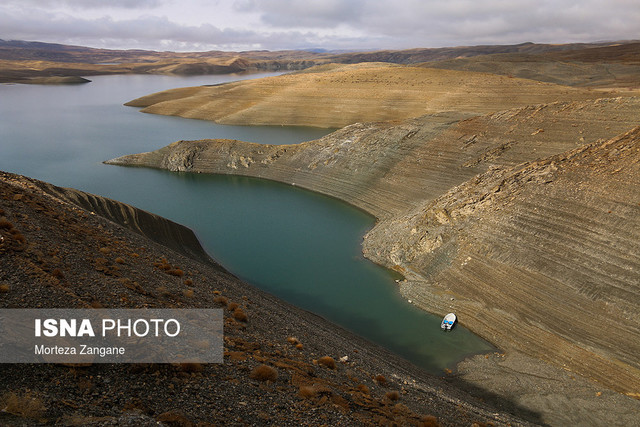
(183,25)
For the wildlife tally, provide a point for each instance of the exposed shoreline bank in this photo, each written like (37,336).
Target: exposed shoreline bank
(86,233)
(340,165)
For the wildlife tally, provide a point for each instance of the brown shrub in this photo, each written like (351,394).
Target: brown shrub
(17,236)
(240,315)
(392,395)
(57,273)
(264,373)
(221,300)
(2,213)
(4,224)
(308,391)
(327,361)
(363,389)
(232,306)
(380,379)
(399,408)
(176,272)
(174,419)
(4,288)
(163,291)
(293,340)
(22,405)
(105,250)
(299,346)
(189,293)
(119,260)
(429,421)
(191,367)
(188,282)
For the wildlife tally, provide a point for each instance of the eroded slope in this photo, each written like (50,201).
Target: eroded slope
(387,168)
(543,258)
(398,171)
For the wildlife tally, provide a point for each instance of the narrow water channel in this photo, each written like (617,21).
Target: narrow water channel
(295,244)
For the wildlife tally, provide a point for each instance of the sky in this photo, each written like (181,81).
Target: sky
(199,25)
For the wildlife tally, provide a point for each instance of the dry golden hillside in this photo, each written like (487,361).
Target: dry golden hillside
(338,95)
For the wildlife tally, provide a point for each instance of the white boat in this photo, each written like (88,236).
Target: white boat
(448,322)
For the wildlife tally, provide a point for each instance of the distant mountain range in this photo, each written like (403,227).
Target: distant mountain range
(33,50)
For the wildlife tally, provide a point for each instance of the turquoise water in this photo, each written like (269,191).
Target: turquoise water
(298,245)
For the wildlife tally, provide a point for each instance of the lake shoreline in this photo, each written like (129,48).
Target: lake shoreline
(83,227)
(321,166)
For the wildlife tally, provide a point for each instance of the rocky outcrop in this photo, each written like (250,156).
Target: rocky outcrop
(387,168)
(529,252)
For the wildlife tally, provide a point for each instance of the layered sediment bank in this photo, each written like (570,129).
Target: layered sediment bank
(523,221)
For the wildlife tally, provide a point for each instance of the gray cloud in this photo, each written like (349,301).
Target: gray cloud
(333,24)
(94,4)
(308,13)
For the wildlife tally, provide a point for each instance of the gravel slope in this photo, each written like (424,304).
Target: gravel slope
(58,254)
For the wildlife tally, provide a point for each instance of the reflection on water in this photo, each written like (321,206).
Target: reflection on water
(298,245)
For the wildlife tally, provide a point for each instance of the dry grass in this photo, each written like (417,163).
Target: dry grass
(189,293)
(4,288)
(264,373)
(22,405)
(327,361)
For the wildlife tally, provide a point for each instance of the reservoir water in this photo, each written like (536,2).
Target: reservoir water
(298,245)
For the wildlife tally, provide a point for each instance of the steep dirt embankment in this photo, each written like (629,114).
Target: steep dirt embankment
(339,95)
(387,168)
(544,257)
(59,248)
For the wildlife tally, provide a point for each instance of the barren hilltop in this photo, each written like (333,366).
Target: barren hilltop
(518,211)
